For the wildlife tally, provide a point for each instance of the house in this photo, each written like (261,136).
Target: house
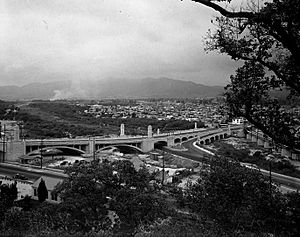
(238,121)
(50,185)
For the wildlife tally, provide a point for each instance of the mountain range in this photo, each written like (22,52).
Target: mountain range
(112,88)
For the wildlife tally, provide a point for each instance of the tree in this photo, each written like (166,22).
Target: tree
(8,194)
(93,191)
(265,36)
(238,198)
(42,191)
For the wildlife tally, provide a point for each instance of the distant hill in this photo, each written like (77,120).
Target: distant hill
(31,91)
(112,88)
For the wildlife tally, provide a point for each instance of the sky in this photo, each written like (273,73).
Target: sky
(53,40)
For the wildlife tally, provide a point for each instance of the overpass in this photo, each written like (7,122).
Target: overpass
(13,149)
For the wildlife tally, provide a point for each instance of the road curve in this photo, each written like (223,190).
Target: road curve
(196,154)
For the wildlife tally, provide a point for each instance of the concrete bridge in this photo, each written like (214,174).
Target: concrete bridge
(88,145)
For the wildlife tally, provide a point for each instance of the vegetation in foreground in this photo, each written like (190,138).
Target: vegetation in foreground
(113,199)
(258,158)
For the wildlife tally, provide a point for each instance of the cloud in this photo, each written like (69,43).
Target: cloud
(77,39)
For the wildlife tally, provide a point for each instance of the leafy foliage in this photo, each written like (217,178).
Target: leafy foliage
(266,37)
(243,155)
(239,199)
(42,191)
(91,192)
(8,194)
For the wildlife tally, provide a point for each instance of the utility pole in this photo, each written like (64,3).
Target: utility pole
(270,167)
(94,148)
(41,152)
(3,144)
(163,170)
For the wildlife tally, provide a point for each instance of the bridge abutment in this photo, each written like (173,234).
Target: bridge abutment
(147,145)
(14,150)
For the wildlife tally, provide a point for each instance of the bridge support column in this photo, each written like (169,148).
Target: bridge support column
(147,145)
(91,146)
(122,130)
(149,131)
(14,150)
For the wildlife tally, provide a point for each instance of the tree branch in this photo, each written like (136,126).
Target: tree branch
(223,11)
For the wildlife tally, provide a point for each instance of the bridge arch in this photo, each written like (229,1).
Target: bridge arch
(177,140)
(160,144)
(190,137)
(123,148)
(212,139)
(65,149)
(184,139)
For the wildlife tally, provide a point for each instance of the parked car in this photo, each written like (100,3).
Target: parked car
(20,176)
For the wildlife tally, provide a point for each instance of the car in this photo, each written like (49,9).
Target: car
(20,176)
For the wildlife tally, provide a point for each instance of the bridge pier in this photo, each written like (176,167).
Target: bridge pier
(91,146)
(14,150)
(150,131)
(122,130)
(147,145)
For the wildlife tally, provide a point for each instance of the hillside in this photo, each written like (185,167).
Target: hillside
(113,88)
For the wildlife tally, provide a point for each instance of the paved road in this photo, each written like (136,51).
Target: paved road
(287,181)
(197,155)
(31,174)
(191,153)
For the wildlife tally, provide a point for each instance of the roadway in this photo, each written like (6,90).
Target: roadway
(189,151)
(31,173)
(196,154)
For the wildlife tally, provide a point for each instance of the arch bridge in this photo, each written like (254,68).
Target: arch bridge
(89,145)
